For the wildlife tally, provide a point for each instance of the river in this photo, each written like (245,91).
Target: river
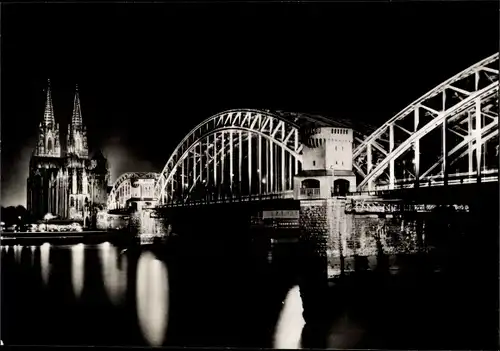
(206,294)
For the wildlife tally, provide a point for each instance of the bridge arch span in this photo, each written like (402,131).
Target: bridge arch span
(223,151)
(428,140)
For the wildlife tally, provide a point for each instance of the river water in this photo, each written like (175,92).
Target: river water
(210,295)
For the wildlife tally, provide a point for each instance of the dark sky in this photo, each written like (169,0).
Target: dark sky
(148,73)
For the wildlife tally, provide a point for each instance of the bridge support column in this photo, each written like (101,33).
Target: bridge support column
(325,230)
(315,229)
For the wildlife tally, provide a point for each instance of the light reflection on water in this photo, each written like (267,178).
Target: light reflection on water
(45,262)
(17,253)
(152,298)
(290,323)
(77,268)
(33,248)
(114,272)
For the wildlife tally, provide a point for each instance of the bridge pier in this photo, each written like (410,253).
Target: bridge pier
(326,228)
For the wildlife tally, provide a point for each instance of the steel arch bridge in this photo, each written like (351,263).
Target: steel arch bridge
(121,190)
(448,135)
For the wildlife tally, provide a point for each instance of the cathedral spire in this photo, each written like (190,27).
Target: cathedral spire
(77,134)
(76,119)
(48,133)
(48,117)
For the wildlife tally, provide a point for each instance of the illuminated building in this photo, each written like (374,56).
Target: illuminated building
(66,182)
(132,196)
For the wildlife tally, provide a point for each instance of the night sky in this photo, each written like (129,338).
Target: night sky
(148,73)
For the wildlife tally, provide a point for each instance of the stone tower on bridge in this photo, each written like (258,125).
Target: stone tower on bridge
(326,164)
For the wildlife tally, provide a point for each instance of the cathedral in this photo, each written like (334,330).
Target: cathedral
(66,182)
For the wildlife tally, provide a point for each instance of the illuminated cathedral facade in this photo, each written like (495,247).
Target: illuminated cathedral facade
(66,182)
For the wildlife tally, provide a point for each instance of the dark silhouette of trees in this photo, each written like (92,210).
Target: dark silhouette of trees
(15,215)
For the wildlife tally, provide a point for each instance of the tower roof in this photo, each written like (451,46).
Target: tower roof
(48,116)
(76,118)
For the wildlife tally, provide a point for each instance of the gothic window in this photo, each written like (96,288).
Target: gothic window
(78,143)
(72,203)
(49,145)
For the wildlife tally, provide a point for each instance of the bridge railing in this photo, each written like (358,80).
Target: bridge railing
(310,192)
(393,208)
(490,175)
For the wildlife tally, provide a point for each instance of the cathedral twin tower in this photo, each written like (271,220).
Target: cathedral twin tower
(49,143)
(65,182)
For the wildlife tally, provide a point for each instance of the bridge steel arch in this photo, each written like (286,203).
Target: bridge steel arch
(458,118)
(237,151)
(118,194)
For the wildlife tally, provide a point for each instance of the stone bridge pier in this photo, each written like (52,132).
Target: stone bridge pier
(325,227)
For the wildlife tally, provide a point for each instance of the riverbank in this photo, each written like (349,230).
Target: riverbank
(66,238)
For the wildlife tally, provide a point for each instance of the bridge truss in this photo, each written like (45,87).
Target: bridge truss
(235,153)
(449,135)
